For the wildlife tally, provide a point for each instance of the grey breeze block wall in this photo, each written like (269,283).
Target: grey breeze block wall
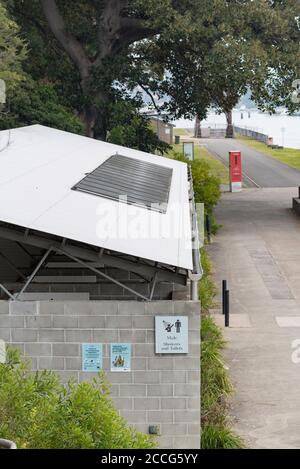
(160,390)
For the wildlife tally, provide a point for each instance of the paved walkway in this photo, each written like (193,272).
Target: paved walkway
(259,169)
(258,252)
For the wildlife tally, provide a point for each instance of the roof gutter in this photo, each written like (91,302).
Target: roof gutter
(196,274)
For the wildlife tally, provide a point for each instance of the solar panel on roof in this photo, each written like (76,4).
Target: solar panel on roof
(144,184)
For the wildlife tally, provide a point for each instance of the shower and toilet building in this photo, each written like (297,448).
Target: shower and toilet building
(99,267)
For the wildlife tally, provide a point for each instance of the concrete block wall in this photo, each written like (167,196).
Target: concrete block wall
(160,390)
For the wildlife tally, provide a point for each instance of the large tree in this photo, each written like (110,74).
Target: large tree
(191,54)
(232,47)
(86,43)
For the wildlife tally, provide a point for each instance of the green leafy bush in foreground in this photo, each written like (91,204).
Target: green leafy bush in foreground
(37,411)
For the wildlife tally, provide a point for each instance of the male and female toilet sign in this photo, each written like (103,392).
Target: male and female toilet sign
(171,334)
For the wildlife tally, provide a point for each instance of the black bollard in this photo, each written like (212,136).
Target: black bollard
(227,308)
(208,227)
(224,288)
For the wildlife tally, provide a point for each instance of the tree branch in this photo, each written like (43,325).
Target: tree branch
(70,44)
(134,29)
(151,97)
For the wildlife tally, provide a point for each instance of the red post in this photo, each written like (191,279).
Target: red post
(235,171)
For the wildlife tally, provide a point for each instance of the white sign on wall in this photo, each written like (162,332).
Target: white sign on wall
(188,150)
(171,334)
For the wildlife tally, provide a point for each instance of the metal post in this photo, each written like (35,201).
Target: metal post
(153,286)
(194,290)
(34,273)
(299,192)
(102,274)
(2,287)
(227,308)
(208,227)
(224,288)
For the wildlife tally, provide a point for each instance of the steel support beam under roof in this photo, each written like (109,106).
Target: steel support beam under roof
(141,268)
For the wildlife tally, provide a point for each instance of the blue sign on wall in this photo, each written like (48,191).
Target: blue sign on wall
(120,357)
(91,357)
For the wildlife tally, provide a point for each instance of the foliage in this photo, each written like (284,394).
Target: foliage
(38,103)
(12,51)
(189,55)
(215,389)
(88,58)
(128,127)
(215,383)
(224,49)
(37,411)
(206,184)
(221,437)
(207,288)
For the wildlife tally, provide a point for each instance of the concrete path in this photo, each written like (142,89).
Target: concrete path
(259,169)
(258,252)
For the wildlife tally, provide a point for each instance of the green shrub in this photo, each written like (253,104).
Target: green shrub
(38,411)
(207,288)
(130,128)
(219,438)
(216,387)
(38,103)
(206,185)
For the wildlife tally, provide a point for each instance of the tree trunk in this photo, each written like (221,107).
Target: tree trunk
(197,127)
(94,113)
(116,31)
(89,118)
(229,130)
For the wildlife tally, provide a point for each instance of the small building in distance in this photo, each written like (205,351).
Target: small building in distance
(163,129)
(160,125)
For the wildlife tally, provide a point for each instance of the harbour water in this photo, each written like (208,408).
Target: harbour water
(284,129)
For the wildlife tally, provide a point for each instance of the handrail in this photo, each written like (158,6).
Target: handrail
(7,444)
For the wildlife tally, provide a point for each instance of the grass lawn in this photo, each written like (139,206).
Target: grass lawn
(217,168)
(289,156)
(182,132)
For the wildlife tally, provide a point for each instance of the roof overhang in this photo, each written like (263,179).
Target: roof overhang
(39,167)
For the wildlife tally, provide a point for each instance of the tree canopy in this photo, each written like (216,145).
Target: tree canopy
(229,48)
(12,51)
(189,55)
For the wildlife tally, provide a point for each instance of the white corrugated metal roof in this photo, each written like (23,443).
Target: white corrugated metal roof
(40,166)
